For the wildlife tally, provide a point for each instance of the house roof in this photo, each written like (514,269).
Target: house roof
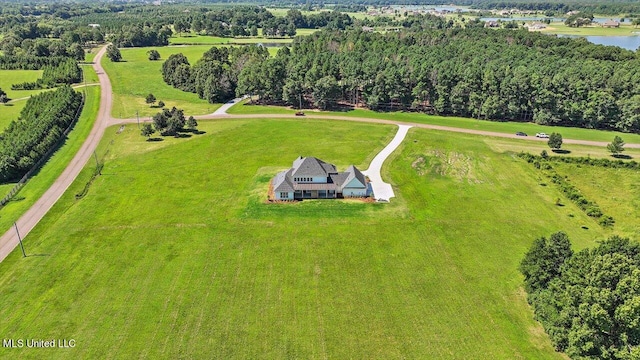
(313,167)
(310,167)
(282,182)
(353,173)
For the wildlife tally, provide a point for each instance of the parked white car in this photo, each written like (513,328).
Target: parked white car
(542,135)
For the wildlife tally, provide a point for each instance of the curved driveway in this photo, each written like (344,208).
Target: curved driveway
(30,219)
(383,191)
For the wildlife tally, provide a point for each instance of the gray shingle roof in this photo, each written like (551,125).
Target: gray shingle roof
(282,182)
(352,172)
(313,167)
(310,167)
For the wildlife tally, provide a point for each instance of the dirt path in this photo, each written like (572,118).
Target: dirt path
(74,86)
(30,219)
(388,122)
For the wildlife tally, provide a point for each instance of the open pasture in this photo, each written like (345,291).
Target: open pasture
(136,76)
(174,253)
(9,77)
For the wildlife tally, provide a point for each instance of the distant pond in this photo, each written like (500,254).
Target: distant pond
(552,19)
(631,42)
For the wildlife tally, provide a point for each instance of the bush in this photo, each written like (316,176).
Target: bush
(606,221)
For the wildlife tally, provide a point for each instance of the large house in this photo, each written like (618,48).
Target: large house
(312,178)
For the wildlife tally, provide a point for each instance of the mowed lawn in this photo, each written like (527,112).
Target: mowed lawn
(135,77)
(10,112)
(214,40)
(174,254)
(617,191)
(10,77)
(509,127)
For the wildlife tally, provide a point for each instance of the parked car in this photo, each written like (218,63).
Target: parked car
(542,135)
(299,113)
(520,133)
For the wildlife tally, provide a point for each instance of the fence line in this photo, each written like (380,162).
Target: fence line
(44,157)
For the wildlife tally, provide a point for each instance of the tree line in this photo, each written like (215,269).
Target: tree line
(588,302)
(480,73)
(66,72)
(215,76)
(140,35)
(29,62)
(40,126)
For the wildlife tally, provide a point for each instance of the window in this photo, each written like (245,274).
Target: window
(284,195)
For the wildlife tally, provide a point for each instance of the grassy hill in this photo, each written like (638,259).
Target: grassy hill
(174,254)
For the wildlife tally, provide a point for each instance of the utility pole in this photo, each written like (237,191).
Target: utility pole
(138,117)
(95,156)
(300,98)
(20,240)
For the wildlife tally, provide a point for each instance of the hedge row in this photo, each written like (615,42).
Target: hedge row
(40,126)
(27,62)
(570,191)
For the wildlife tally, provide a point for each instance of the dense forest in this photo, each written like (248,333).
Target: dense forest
(588,302)
(480,73)
(40,126)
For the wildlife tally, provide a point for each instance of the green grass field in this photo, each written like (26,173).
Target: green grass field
(10,112)
(504,127)
(174,254)
(617,191)
(38,184)
(89,74)
(214,40)
(136,77)
(9,77)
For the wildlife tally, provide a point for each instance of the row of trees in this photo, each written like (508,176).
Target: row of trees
(29,62)
(141,35)
(66,72)
(215,76)
(588,302)
(40,126)
(481,73)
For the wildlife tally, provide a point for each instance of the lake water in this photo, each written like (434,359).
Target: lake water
(543,18)
(451,8)
(626,42)
(523,18)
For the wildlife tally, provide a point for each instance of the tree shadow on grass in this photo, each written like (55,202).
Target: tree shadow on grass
(193,131)
(155,139)
(30,255)
(561,151)
(622,157)
(182,135)
(8,104)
